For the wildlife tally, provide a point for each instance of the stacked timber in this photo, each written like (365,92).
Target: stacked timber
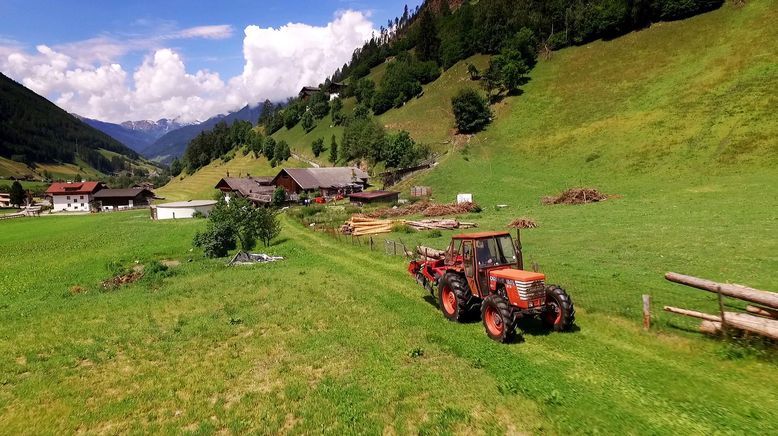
(360,226)
(761,320)
(428,253)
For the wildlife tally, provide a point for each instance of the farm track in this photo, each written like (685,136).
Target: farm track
(595,372)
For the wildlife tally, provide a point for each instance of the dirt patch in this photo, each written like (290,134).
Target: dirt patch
(76,289)
(123,279)
(171,263)
(426,209)
(577,196)
(523,223)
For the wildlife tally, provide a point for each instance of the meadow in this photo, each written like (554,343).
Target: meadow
(333,339)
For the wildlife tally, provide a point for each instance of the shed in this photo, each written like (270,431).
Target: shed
(374,197)
(181,209)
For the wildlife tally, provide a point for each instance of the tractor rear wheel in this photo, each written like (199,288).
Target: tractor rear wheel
(498,318)
(455,298)
(560,315)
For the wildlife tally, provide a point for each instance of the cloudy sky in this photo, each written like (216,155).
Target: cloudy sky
(134,60)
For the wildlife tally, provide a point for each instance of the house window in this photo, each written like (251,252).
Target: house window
(82,204)
(68,205)
(68,197)
(82,197)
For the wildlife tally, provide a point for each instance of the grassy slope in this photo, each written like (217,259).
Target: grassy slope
(200,185)
(679,120)
(262,349)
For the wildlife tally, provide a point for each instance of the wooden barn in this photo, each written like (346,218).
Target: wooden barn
(328,181)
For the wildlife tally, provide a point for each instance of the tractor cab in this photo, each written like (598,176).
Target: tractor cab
(481,253)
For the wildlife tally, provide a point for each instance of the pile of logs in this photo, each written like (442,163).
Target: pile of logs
(428,253)
(761,319)
(361,225)
(439,224)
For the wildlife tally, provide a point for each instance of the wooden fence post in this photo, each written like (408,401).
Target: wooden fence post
(646,311)
(721,311)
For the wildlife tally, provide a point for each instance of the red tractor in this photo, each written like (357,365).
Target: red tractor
(482,272)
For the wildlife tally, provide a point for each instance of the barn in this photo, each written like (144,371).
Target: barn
(118,199)
(329,181)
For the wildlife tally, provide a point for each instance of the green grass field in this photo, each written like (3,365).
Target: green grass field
(334,339)
(677,121)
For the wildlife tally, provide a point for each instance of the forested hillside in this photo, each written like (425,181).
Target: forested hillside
(33,130)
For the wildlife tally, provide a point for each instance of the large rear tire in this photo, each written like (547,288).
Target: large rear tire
(560,315)
(498,318)
(455,298)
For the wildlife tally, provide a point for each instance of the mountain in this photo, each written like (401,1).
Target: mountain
(137,135)
(173,144)
(33,130)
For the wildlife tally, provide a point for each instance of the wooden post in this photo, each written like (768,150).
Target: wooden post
(394,248)
(646,311)
(721,311)
(535,267)
(519,252)
(371,243)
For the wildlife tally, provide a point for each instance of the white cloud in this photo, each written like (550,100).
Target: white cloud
(84,77)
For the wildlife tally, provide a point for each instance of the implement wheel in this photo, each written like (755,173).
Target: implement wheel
(455,298)
(560,313)
(498,318)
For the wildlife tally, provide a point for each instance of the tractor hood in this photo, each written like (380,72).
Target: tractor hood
(517,275)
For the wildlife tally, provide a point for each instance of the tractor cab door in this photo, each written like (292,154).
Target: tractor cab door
(468,258)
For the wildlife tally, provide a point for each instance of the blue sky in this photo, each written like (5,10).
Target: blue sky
(160,37)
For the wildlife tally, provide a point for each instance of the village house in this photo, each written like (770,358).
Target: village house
(259,190)
(327,181)
(118,199)
(73,196)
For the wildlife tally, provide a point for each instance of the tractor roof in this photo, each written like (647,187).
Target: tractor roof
(480,235)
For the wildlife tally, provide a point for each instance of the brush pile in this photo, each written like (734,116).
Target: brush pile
(523,223)
(761,320)
(426,209)
(576,196)
(362,225)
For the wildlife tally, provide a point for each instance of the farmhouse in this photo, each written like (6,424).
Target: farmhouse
(258,190)
(5,200)
(181,209)
(118,199)
(328,181)
(73,196)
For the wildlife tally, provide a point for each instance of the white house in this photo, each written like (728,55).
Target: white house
(181,209)
(5,200)
(73,196)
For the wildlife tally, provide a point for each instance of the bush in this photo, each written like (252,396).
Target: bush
(317,146)
(435,233)
(279,197)
(308,122)
(471,111)
(217,240)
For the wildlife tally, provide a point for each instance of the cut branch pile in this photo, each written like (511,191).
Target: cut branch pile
(523,223)
(576,196)
(424,208)
(760,320)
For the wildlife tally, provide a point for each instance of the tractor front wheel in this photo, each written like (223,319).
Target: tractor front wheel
(498,318)
(560,312)
(454,297)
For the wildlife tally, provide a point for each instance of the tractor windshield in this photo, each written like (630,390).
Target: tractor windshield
(495,251)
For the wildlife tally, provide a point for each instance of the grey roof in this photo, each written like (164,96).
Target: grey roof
(122,193)
(314,178)
(190,203)
(248,185)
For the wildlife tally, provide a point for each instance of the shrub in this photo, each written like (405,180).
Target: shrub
(317,146)
(471,111)
(435,233)
(217,240)
(279,197)
(308,122)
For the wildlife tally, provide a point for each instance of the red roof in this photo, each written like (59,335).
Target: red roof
(74,188)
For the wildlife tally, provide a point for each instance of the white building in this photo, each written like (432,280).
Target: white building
(5,200)
(181,209)
(73,196)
